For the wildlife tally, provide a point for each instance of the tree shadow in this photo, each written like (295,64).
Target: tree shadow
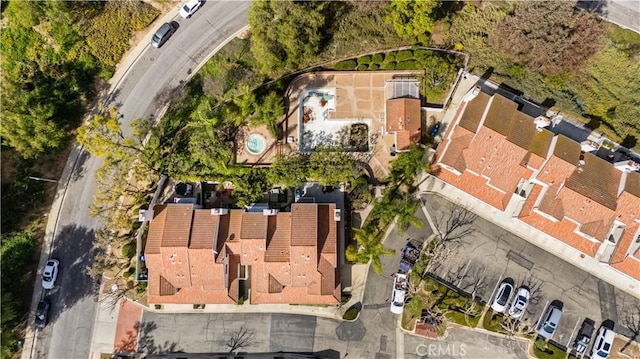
(73,247)
(79,168)
(629,141)
(594,121)
(147,344)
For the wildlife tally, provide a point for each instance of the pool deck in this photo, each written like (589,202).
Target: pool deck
(243,156)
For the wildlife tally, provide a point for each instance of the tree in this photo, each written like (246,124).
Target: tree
(369,248)
(241,338)
(269,111)
(412,19)
(631,320)
(407,207)
(288,171)
(285,35)
(407,166)
(330,166)
(549,36)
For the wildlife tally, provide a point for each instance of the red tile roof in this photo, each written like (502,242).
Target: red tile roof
(403,118)
(296,250)
(576,196)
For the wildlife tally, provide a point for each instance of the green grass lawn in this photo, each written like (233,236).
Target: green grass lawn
(463,319)
(492,322)
(550,352)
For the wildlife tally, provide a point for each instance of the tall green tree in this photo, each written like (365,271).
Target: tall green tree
(407,166)
(412,19)
(369,248)
(330,166)
(286,35)
(288,171)
(406,211)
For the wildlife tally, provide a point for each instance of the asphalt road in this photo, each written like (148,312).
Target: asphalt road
(143,92)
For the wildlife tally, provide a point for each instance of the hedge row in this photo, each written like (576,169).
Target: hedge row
(398,60)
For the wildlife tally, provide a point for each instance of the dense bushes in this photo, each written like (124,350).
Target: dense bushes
(109,34)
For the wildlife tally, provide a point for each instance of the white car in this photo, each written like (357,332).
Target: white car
(399,293)
(502,298)
(602,345)
(520,303)
(50,274)
(190,8)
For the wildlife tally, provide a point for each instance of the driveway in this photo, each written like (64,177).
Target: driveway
(488,254)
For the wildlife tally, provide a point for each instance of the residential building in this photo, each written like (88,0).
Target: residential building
(226,256)
(514,163)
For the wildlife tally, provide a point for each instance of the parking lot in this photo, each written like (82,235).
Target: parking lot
(485,254)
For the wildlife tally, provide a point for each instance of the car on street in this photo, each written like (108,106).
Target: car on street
(50,274)
(42,312)
(520,303)
(602,344)
(163,34)
(584,336)
(502,297)
(190,8)
(399,293)
(550,321)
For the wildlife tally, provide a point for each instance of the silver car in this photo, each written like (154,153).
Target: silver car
(163,34)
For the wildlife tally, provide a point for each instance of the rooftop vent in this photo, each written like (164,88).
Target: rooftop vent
(337,214)
(219,211)
(269,212)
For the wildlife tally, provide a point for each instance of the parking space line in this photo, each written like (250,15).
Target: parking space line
(464,273)
(541,314)
(495,288)
(573,332)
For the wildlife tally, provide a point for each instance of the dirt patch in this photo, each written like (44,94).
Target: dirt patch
(632,350)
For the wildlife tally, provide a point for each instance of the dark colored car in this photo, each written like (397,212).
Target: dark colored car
(163,34)
(584,336)
(41,314)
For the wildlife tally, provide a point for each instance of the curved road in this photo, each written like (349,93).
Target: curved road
(143,91)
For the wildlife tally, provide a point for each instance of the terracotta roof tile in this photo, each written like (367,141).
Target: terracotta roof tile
(328,280)
(327,233)
(166,288)
(567,150)
(454,153)
(540,143)
(632,184)
(274,285)
(177,226)
(597,179)
(254,225)
(204,229)
(304,229)
(473,112)
(550,203)
(175,266)
(278,238)
(403,114)
(203,269)
(499,117)
(156,230)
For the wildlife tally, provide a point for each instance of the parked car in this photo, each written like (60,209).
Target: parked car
(41,314)
(50,274)
(502,297)
(520,303)
(602,344)
(163,34)
(399,293)
(190,8)
(550,321)
(584,336)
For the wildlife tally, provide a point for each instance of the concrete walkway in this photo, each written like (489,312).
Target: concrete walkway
(556,247)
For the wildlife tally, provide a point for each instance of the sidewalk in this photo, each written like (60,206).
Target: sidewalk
(532,235)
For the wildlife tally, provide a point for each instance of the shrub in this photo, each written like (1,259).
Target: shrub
(364,59)
(421,54)
(129,250)
(109,33)
(377,58)
(346,65)
(408,65)
(404,55)
(390,57)
(141,288)
(350,314)
(373,66)
(131,271)
(362,67)
(388,66)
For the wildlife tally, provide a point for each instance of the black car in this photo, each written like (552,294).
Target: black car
(41,314)
(163,34)
(584,336)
